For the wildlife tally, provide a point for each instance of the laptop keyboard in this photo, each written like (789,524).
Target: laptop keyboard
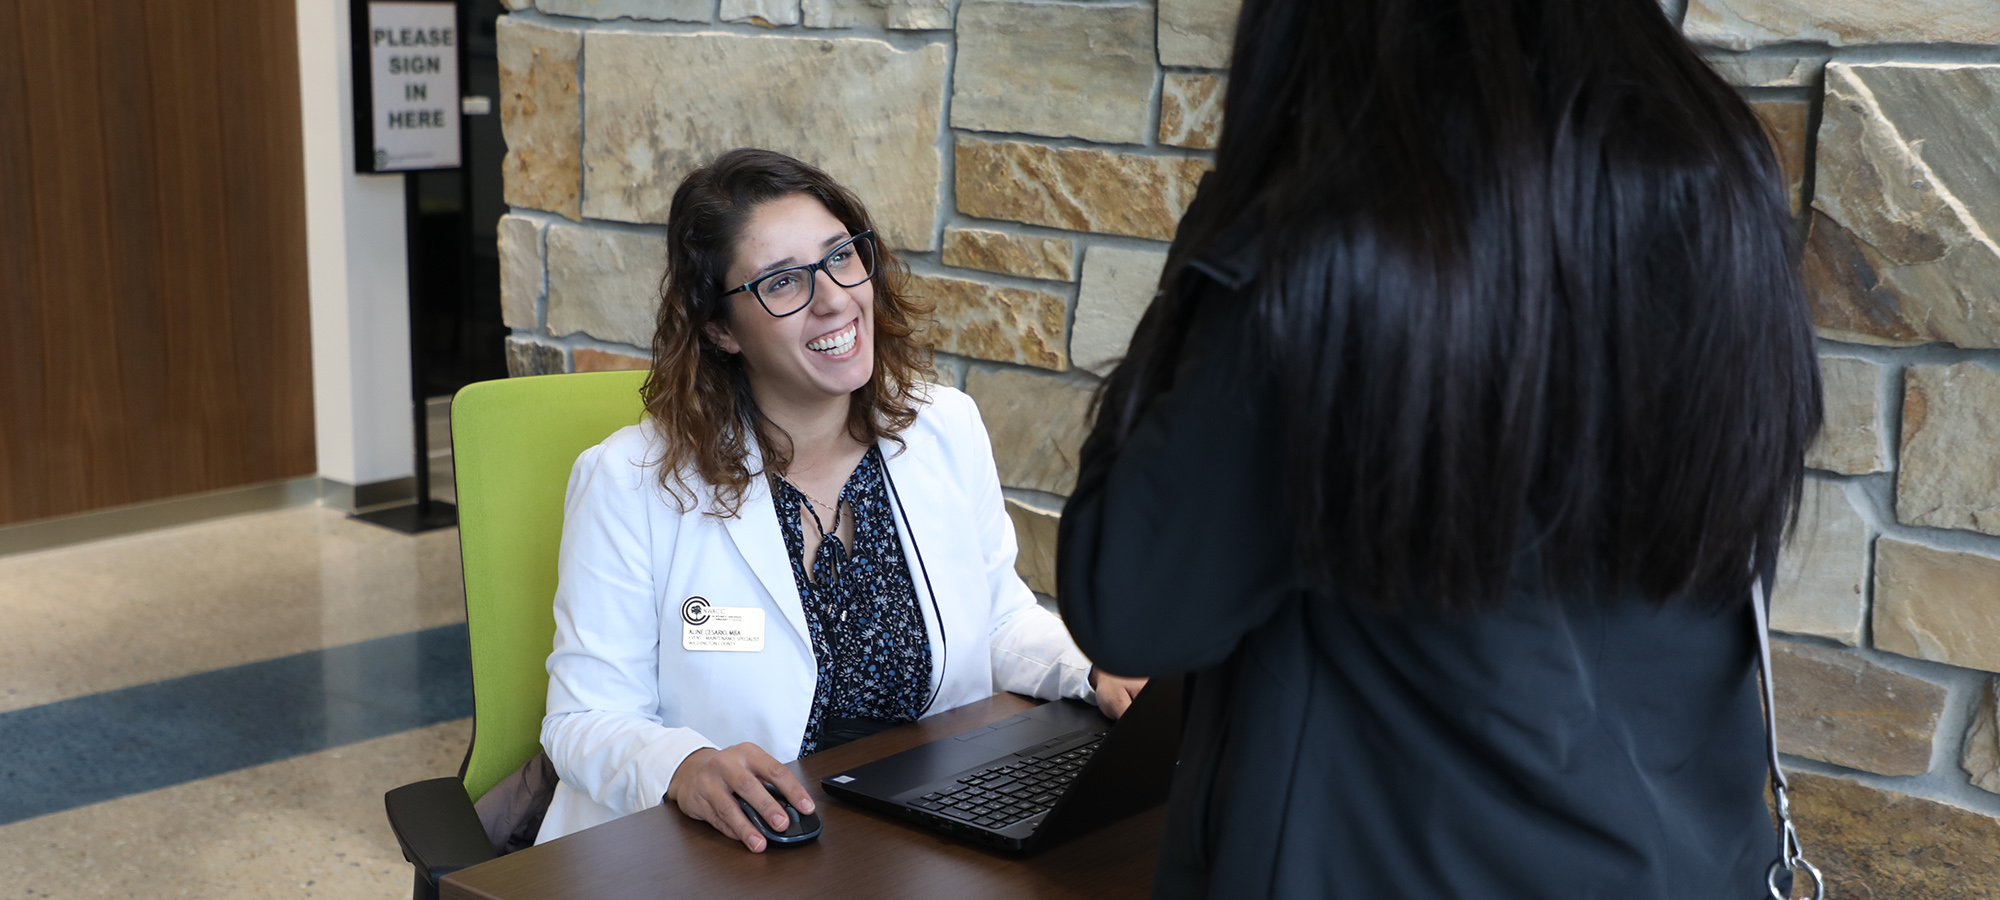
(1001,795)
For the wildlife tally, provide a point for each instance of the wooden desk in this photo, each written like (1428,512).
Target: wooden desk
(660,853)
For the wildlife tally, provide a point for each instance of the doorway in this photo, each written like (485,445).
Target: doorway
(454,250)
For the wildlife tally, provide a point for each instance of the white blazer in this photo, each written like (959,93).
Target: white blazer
(627,703)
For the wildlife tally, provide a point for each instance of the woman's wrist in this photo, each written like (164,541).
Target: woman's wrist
(674,783)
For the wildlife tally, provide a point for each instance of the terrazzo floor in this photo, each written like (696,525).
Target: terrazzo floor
(295,664)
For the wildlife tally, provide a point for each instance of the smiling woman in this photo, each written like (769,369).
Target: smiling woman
(796,471)
(814,343)
(742,232)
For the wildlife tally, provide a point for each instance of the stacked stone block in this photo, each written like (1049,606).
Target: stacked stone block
(1886,116)
(1032,159)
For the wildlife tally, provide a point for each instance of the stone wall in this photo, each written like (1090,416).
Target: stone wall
(1032,158)
(1887,116)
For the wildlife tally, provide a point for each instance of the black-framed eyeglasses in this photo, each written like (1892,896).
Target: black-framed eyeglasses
(790,289)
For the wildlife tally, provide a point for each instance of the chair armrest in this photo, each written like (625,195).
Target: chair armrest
(437,827)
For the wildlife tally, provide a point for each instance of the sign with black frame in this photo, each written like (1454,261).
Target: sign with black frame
(406,104)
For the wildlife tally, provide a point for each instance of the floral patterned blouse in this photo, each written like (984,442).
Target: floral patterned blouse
(868,632)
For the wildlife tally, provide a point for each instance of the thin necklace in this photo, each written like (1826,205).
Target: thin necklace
(831,550)
(822,504)
(814,506)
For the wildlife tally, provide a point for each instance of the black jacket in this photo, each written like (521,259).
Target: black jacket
(1604,747)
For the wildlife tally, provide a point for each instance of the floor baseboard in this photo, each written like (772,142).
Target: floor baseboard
(44,534)
(351,498)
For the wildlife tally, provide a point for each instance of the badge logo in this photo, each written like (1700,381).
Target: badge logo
(705,626)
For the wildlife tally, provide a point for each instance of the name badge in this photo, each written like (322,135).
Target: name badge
(738,629)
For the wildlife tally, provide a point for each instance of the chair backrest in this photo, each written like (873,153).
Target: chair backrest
(513,443)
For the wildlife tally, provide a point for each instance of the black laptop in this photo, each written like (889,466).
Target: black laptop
(1032,780)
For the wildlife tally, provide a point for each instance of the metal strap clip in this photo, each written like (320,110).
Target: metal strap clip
(1791,856)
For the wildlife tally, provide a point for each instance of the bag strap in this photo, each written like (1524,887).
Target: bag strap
(1791,857)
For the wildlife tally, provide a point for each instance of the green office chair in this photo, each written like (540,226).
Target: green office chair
(513,442)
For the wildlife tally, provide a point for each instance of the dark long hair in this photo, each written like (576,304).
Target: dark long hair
(697,395)
(1527,280)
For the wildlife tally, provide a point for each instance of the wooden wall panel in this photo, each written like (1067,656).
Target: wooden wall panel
(269,156)
(132,214)
(20,318)
(154,269)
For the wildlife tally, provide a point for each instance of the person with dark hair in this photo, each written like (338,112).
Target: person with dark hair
(1476,395)
(804,542)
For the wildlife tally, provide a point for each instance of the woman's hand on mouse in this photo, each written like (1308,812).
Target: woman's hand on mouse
(708,782)
(1114,692)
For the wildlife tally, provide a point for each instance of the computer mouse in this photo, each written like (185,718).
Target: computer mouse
(804,827)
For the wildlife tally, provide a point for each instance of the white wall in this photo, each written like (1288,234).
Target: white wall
(357,270)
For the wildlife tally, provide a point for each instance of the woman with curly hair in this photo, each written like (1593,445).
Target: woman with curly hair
(804,542)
